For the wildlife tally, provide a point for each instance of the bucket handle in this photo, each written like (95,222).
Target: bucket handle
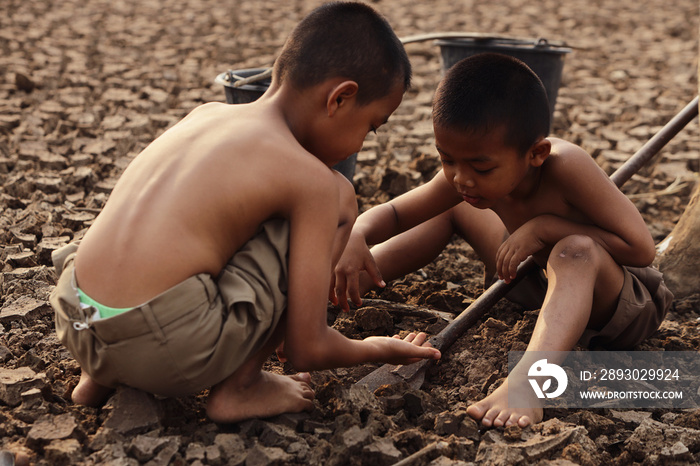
(478,36)
(238,81)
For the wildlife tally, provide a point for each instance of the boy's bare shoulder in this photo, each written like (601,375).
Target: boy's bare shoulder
(566,149)
(571,170)
(566,160)
(262,160)
(248,135)
(248,155)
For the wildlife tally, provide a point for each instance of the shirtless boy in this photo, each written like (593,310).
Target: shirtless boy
(219,240)
(491,121)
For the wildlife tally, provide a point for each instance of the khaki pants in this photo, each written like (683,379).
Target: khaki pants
(188,338)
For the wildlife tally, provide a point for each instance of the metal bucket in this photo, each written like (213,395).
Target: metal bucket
(545,59)
(252,91)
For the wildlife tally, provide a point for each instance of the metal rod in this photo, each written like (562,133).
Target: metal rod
(654,145)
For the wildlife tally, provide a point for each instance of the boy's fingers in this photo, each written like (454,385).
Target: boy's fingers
(374,273)
(515,262)
(332,295)
(507,266)
(353,289)
(343,303)
(341,294)
(337,287)
(501,272)
(418,339)
(426,353)
(499,262)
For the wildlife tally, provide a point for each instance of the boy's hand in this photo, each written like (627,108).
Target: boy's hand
(515,249)
(413,348)
(345,281)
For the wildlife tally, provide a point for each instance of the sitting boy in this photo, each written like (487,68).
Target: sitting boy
(491,121)
(219,239)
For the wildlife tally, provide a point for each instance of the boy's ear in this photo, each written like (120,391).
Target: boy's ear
(540,151)
(339,96)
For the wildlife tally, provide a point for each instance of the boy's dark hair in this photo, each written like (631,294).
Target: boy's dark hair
(345,39)
(490,90)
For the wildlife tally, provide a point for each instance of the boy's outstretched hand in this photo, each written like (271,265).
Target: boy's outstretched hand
(413,348)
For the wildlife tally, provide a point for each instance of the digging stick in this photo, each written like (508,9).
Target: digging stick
(414,374)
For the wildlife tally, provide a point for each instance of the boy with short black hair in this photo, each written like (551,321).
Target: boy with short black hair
(219,239)
(491,120)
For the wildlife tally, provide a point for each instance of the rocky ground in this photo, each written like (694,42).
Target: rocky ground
(84,86)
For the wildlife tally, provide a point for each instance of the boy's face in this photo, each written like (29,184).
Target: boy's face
(480,166)
(351,124)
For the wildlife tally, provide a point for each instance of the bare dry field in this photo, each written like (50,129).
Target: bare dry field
(84,86)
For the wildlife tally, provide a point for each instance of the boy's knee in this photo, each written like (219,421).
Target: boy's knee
(580,249)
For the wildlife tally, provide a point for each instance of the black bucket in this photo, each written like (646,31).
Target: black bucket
(545,59)
(252,91)
(246,93)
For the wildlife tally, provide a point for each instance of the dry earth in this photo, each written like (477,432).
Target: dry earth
(86,85)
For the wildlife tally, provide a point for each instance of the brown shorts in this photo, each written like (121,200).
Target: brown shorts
(642,306)
(188,338)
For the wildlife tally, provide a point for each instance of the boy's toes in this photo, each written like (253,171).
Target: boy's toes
(524,421)
(476,411)
(490,418)
(513,419)
(309,406)
(309,394)
(503,418)
(302,377)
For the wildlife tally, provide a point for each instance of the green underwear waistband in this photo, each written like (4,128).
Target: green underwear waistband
(105,311)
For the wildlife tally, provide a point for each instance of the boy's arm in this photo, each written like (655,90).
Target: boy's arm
(416,206)
(381,223)
(310,344)
(606,215)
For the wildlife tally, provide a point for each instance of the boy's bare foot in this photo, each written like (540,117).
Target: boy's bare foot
(90,393)
(494,411)
(268,395)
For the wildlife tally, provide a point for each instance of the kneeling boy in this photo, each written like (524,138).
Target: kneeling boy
(491,120)
(218,241)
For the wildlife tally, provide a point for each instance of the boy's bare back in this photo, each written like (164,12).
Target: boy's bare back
(193,197)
